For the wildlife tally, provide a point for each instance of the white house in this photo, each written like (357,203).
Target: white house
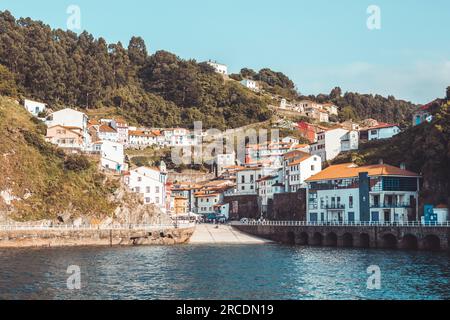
(246,179)
(150,183)
(331,108)
(224,160)
(290,140)
(218,67)
(73,119)
(331,142)
(34,107)
(207,202)
(250,84)
(112,155)
(297,167)
(375,193)
(383,131)
(106,132)
(268,186)
(141,138)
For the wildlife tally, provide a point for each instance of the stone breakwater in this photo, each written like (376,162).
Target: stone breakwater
(93,237)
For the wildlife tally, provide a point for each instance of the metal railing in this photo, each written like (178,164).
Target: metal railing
(133,227)
(341,224)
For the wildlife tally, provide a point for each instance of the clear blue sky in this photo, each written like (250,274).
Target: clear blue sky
(319,44)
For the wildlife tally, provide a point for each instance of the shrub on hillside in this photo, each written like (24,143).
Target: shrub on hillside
(76,162)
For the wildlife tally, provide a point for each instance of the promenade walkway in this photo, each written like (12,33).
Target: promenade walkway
(223,234)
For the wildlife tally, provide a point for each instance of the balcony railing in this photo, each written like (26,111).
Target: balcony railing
(343,224)
(335,206)
(390,205)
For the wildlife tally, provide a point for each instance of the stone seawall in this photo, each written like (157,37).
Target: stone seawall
(387,237)
(87,237)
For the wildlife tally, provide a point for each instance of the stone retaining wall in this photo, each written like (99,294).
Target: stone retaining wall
(61,238)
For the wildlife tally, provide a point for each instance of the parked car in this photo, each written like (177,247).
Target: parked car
(244,220)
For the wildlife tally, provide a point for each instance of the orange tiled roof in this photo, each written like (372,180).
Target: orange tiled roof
(141,133)
(106,128)
(349,170)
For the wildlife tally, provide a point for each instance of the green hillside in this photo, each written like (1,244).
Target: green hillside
(42,179)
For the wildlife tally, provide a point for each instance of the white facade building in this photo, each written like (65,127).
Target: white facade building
(383,131)
(70,118)
(34,107)
(150,183)
(330,143)
(141,138)
(224,160)
(207,203)
(250,84)
(112,155)
(297,167)
(218,67)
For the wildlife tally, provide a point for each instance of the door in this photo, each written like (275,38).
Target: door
(387,215)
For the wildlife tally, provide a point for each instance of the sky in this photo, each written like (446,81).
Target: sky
(319,44)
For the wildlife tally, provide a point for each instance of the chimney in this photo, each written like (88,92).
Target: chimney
(380,161)
(403,166)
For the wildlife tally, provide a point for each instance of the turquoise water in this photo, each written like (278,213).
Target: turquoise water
(222,272)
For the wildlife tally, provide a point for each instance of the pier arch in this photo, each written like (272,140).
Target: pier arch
(303,239)
(364,240)
(410,242)
(389,241)
(431,242)
(331,240)
(290,238)
(347,240)
(317,239)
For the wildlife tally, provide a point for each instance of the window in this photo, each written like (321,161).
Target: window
(157,190)
(350,201)
(138,189)
(139,179)
(147,200)
(157,199)
(243,179)
(312,168)
(147,190)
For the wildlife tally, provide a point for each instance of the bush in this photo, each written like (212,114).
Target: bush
(77,163)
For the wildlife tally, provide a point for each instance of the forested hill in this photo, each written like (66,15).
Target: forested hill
(358,106)
(62,68)
(66,69)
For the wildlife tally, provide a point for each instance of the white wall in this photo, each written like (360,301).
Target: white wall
(34,107)
(383,133)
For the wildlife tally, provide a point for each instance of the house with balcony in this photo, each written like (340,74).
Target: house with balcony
(348,193)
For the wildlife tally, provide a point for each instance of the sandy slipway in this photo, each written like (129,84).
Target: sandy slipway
(92,237)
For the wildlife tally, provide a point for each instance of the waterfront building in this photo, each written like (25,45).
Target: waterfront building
(375,193)
(150,183)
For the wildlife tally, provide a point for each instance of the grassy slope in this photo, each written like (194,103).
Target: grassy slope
(34,172)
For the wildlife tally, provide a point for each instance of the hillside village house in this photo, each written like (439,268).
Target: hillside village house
(34,107)
(331,109)
(250,84)
(142,138)
(297,167)
(122,129)
(331,142)
(107,133)
(383,131)
(179,137)
(224,160)
(72,119)
(112,155)
(246,179)
(150,183)
(375,193)
(268,186)
(424,113)
(69,138)
(218,67)
(317,114)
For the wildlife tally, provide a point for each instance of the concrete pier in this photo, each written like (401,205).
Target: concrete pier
(223,234)
(431,238)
